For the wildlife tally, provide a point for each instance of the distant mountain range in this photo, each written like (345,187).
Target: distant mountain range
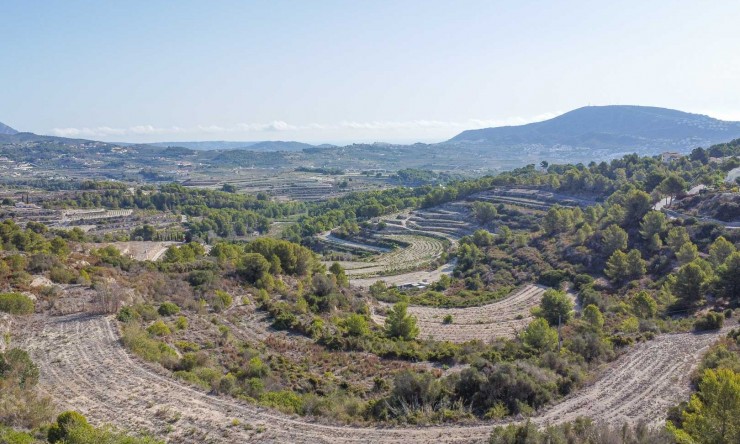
(615,127)
(5,129)
(227,145)
(593,133)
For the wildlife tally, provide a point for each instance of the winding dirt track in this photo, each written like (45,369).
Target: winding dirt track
(84,367)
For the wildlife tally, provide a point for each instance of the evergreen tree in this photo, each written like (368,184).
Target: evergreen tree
(400,324)
(635,265)
(614,238)
(728,280)
(720,250)
(687,253)
(677,237)
(653,223)
(689,283)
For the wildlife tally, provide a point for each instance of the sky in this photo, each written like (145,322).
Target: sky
(350,71)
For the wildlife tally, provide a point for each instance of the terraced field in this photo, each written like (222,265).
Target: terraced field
(419,276)
(531,198)
(451,221)
(424,231)
(421,251)
(84,367)
(501,319)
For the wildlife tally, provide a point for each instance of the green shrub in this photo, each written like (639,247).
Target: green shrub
(60,430)
(553,278)
(126,314)
(141,344)
(168,309)
(447,319)
(147,312)
(73,428)
(221,301)
(10,436)
(710,321)
(286,401)
(199,278)
(62,275)
(356,325)
(181,323)
(159,328)
(16,303)
(186,346)
(227,384)
(256,368)
(18,363)
(191,377)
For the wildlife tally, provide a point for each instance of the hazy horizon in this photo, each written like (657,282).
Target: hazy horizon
(331,72)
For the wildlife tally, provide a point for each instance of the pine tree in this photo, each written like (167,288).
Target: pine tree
(400,324)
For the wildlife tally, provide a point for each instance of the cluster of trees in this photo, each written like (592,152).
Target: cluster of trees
(35,238)
(222,213)
(416,177)
(712,415)
(322,170)
(184,253)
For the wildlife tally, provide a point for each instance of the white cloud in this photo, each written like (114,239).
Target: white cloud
(282,126)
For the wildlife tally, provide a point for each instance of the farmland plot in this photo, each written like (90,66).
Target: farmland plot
(419,276)
(421,251)
(501,319)
(84,367)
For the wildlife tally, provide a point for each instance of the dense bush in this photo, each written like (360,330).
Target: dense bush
(581,431)
(72,428)
(168,309)
(710,321)
(16,303)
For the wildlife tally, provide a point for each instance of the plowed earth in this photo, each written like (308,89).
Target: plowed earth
(501,319)
(84,367)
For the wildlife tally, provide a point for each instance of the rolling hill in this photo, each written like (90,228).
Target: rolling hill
(228,145)
(5,129)
(615,127)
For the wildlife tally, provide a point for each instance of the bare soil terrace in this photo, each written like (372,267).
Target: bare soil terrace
(501,319)
(84,367)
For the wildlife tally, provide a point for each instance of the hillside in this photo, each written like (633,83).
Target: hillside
(228,145)
(611,127)
(5,129)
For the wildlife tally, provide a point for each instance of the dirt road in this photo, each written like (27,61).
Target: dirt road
(84,367)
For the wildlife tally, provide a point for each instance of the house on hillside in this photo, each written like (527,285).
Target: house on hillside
(669,156)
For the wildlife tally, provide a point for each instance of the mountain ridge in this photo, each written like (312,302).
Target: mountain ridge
(5,129)
(611,126)
(266,145)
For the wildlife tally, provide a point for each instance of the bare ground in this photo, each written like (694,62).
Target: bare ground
(413,277)
(84,367)
(139,250)
(501,319)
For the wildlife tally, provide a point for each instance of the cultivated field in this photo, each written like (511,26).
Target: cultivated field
(420,276)
(501,319)
(84,367)
(421,251)
(424,230)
